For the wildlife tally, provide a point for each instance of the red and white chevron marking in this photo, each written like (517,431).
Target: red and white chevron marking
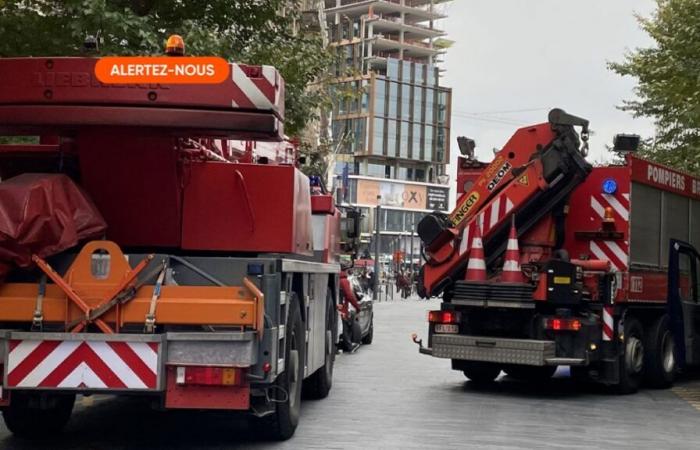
(256,93)
(488,218)
(608,323)
(617,252)
(82,364)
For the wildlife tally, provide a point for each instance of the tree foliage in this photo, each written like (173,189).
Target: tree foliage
(668,87)
(249,31)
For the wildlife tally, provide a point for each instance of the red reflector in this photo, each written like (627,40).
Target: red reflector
(559,324)
(444,316)
(208,376)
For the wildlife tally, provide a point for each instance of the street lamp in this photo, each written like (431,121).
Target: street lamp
(377,245)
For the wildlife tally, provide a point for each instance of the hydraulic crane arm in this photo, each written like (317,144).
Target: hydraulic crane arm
(531,176)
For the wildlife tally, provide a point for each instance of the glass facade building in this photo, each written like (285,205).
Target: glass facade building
(391,117)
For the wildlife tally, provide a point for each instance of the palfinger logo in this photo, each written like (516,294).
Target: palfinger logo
(162,69)
(460,213)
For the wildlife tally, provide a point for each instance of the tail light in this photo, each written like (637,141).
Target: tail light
(444,316)
(209,376)
(561,324)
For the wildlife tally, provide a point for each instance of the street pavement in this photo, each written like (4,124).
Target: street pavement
(387,396)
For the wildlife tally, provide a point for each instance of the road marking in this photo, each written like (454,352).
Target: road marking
(690,394)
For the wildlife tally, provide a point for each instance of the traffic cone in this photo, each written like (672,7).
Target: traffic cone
(476,267)
(511,266)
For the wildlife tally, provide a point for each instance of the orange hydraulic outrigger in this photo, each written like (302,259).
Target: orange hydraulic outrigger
(116,299)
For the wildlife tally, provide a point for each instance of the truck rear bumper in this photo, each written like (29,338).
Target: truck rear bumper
(496,350)
(121,363)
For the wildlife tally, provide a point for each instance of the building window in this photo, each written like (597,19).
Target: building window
(378,137)
(391,139)
(393,100)
(440,150)
(379,97)
(416,139)
(405,101)
(419,73)
(429,106)
(428,145)
(442,107)
(403,149)
(394,220)
(392,68)
(376,170)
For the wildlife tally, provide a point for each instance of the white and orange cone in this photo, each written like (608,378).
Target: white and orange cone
(476,268)
(511,266)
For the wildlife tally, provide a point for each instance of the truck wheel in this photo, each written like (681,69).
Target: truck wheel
(367,340)
(530,373)
(659,362)
(35,416)
(481,372)
(287,391)
(319,384)
(632,358)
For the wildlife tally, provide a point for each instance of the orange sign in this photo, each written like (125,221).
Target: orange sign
(162,70)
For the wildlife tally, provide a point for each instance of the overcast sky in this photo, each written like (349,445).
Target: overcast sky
(513,60)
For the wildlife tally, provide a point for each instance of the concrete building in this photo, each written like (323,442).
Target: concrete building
(391,123)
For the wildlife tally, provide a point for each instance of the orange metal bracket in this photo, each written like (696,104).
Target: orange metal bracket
(259,298)
(65,287)
(93,314)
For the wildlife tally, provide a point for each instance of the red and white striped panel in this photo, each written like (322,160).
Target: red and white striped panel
(488,218)
(255,92)
(608,323)
(82,364)
(617,252)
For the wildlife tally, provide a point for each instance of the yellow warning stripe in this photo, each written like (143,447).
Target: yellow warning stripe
(690,394)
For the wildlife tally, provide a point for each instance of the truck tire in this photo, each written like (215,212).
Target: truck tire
(287,392)
(659,363)
(318,385)
(367,340)
(37,416)
(480,372)
(632,358)
(530,373)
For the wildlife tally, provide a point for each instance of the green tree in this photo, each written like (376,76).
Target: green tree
(668,87)
(250,31)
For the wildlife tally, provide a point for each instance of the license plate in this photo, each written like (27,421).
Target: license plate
(446,328)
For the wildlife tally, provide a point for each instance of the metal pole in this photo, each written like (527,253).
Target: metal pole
(413,272)
(377,246)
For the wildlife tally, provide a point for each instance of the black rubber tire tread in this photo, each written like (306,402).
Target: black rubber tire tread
(629,383)
(282,424)
(27,421)
(367,340)
(531,374)
(481,372)
(655,375)
(319,384)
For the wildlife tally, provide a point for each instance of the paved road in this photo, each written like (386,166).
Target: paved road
(388,396)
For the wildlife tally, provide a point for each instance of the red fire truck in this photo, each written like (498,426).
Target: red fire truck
(151,244)
(548,261)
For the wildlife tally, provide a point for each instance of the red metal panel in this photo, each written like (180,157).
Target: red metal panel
(322,204)
(664,177)
(133,180)
(204,397)
(586,211)
(246,208)
(43,89)
(73,81)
